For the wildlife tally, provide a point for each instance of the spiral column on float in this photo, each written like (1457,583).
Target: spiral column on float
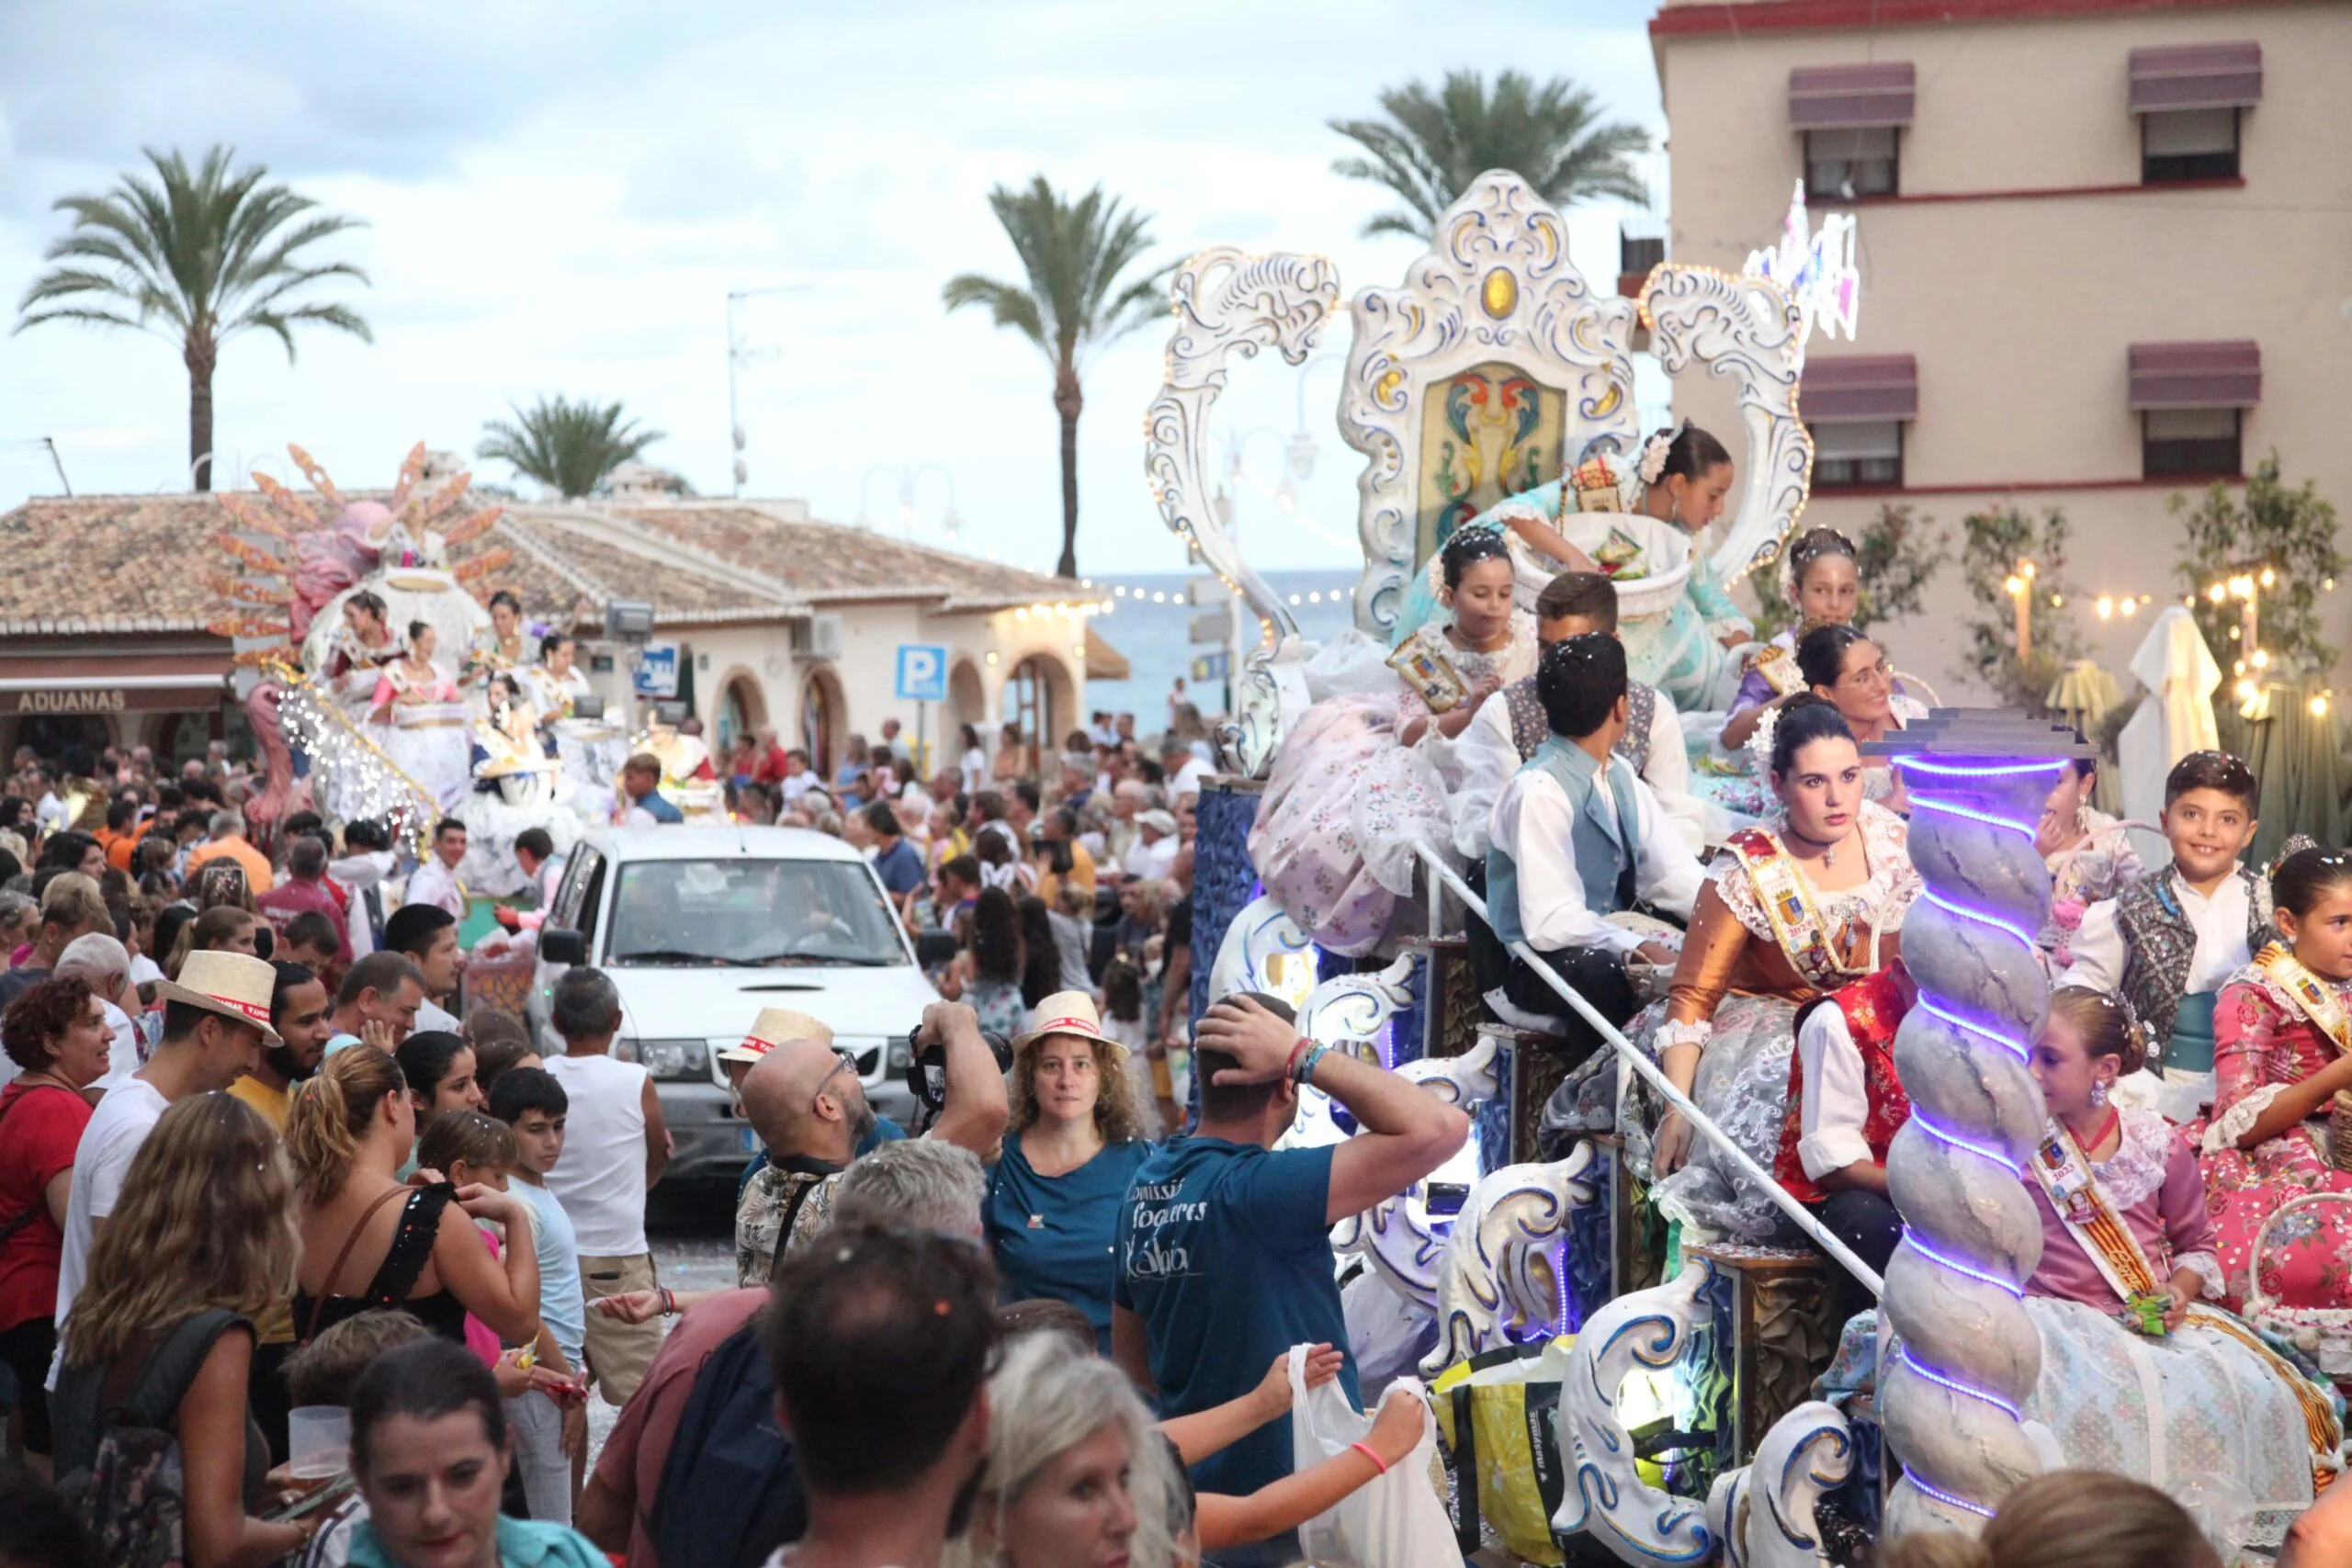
(1969,1355)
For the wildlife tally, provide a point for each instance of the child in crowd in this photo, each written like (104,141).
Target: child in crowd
(530,1102)
(500,1041)
(322,1373)
(2167,943)
(310,940)
(1123,1020)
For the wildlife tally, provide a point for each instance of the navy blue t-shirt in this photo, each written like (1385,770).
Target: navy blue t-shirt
(1052,1235)
(900,868)
(1226,1254)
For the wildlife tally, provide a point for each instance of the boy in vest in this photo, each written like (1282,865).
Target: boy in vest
(1508,731)
(1846,1104)
(2167,943)
(1576,837)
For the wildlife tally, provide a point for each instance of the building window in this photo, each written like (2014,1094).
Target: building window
(2189,144)
(2177,443)
(1858,455)
(1841,164)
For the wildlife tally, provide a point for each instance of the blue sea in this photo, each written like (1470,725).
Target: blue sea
(1155,635)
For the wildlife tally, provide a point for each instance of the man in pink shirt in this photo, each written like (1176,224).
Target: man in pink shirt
(305,891)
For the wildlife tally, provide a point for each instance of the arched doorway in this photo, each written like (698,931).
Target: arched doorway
(824,711)
(742,708)
(1038,698)
(967,703)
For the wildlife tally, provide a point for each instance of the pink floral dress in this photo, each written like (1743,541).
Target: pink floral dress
(2262,1043)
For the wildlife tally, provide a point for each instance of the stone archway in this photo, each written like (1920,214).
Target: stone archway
(742,708)
(824,717)
(967,703)
(1040,698)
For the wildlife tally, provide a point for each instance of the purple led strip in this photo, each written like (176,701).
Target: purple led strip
(1979,915)
(1911,1236)
(1922,803)
(2004,1161)
(2016,1048)
(1954,1384)
(1984,770)
(1980,1512)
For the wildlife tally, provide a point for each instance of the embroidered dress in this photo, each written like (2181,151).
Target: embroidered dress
(1347,804)
(2265,1041)
(1762,942)
(428,736)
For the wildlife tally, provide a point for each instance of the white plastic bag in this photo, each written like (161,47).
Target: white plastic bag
(1398,1520)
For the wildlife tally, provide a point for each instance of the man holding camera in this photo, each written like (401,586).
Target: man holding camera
(805,1101)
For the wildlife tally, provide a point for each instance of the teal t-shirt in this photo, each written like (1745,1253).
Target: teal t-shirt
(1226,1254)
(1055,1235)
(562,1302)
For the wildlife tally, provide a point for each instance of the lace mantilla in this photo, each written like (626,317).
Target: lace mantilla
(1892,884)
(2238,1121)
(2136,1169)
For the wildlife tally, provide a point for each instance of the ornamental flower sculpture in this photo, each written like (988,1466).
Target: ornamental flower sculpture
(1969,1354)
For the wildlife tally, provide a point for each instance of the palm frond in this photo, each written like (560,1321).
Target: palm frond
(570,448)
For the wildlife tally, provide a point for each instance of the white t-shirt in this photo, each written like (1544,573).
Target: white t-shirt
(600,1181)
(110,1140)
(1189,779)
(1151,861)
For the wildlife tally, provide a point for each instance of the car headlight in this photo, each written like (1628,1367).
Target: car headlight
(899,1055)
(670,1060)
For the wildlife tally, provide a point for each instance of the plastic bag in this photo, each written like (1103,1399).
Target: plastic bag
(1500,1413)
(1395,1521)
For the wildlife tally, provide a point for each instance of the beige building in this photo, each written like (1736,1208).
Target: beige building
(108,602)
(2105,249)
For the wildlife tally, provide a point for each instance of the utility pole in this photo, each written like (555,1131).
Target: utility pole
(738,352)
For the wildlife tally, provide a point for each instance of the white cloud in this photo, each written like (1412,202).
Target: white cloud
(559,199)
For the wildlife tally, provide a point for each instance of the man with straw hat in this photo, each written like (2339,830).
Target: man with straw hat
(216,1025)
(804,1099)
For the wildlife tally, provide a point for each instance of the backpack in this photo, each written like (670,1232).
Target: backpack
(730,1488)
(128,1498)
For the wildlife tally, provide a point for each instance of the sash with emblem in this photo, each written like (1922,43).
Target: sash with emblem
(2315,997)
(1778,665)
(1788,906)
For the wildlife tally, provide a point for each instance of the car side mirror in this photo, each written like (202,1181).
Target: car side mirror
(561,944)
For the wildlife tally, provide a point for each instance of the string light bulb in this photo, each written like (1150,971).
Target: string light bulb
(2269,577)
(2105,607)
(2218,592)
(2013,585)
(2319,704)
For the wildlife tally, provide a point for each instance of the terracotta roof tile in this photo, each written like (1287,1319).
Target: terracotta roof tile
(827,561)
(108,563)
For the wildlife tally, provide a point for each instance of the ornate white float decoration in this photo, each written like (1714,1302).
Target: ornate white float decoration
(1763,1512)
(1502,1277)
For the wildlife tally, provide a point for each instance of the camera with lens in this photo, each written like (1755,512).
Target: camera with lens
(927,1068)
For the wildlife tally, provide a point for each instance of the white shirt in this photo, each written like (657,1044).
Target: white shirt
(1837,1098)
(973,766)
(435,883)
(431,1015)
(1533,823)
(1187,780)
(1489,755)
(798,785)
(359,873)
(2221,922)
(110,1140)
(51,813)
(122,1050)
(1150,862)
(600,1181)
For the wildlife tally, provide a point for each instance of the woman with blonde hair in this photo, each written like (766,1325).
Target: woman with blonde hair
(161,1335)
(1075,1473)
(365,1246)
(2070,1518)
(223,927)
(1071,1149)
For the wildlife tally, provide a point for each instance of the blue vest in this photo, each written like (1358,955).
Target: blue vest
(1602,841)
(660,808)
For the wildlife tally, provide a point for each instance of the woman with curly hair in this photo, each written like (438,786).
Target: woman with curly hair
(987,970)
(202,1240)
(1071,1148)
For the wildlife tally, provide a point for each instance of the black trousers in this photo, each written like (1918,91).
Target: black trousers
(1867,1222)
(1597,976)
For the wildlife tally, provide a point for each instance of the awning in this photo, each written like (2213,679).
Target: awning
(1103,662)
(136,682)
(1825,97)
(2196,375)
(1860,387)
(2196,76)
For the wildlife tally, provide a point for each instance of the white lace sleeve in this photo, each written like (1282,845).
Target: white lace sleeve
(1738,893)
(2209,1272)
(2238,1120)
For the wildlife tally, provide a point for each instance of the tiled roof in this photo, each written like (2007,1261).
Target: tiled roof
(569,549)
(827,562)
(108,563)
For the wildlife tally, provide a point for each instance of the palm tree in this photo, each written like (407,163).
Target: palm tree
(195,256)
(1075,253)
(570,447)
(1432,145)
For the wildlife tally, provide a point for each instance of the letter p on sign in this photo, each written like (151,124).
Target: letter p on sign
(922,672)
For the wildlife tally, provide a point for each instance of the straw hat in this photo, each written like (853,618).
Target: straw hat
(772,1029)
(234,985)
(1071,1013)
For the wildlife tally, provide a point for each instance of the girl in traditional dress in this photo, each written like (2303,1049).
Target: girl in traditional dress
(2282,1050)
(500,646)
(425,732)
(2128,1256)
(1361,780)
(1822,584)
(1795,911)
(2088,853)
(555,681)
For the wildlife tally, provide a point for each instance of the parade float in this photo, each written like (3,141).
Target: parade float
(392,682)
(1603,1379)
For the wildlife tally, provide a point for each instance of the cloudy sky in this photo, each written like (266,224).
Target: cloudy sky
(561,197)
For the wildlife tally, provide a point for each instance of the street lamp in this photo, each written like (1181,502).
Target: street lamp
(740,353)
(909,477)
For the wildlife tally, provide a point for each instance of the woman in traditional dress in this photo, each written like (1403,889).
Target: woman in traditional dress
(556,681)
(2127,1257)
(423,724)
(1822,584)
(1795,910)
(1844,667)
(2282,1049)
(1360,781)
(498,647)
(2088,853)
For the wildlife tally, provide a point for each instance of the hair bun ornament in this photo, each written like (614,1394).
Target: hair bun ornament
(1759,743)
(1655,450)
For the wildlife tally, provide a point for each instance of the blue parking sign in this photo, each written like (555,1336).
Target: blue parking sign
(922,672)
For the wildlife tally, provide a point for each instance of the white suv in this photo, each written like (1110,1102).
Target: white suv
(700,928)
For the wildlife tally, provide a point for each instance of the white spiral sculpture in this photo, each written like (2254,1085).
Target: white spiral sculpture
(1969,1354)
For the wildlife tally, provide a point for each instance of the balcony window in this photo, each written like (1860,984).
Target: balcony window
(1858,455)
(2189,144)
(1845,164)
(2190,442)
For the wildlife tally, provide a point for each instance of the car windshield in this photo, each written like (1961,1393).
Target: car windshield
(751,913)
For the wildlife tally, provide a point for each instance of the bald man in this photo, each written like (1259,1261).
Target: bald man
(805,1101)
